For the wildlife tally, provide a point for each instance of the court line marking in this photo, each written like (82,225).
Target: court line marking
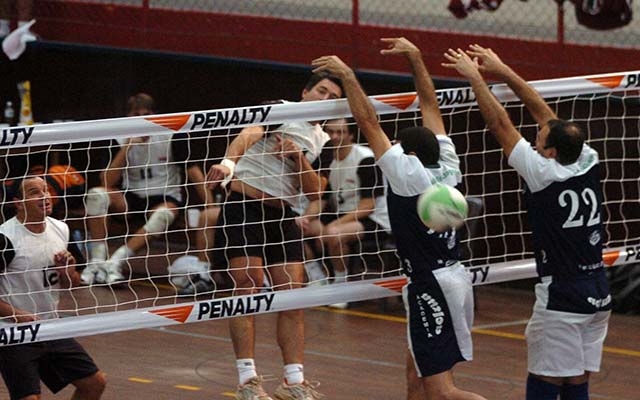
(477,330)
(481,329)
(139,380)
(188,387)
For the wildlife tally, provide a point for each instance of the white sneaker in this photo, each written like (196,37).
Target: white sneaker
(88,275)
(110,272)
(315,273)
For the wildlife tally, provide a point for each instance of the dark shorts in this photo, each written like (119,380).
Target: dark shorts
(57,363)
(249,228)
(440,316)
(137,203)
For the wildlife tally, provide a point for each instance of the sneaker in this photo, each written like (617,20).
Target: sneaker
(88,275)
(195,286)
(341,306)
(109,273)
(252,390)
(300,391)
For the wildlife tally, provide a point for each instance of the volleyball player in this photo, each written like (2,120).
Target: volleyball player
(438,296)
(257,231)
(35,265)
(145,175)
(563,195)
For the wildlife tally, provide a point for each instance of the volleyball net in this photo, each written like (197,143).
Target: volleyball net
(495,240)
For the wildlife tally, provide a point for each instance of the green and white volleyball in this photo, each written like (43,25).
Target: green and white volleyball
(442,207)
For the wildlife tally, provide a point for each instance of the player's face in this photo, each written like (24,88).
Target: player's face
(338,132)
(323,90)
(36,200)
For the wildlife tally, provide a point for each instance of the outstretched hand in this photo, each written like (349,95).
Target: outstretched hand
(398,46)
(489,61)
(461,62)
(333,65)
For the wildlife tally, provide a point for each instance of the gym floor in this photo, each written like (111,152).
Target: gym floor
(358,353)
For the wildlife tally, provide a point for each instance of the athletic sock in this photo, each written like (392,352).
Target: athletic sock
(121,253)
(538,389)
(98,251)
(246,370)
(293,374)
(339,276)
(574,392)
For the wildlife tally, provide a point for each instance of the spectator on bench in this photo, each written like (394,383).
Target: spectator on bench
(354,202)
(144,176)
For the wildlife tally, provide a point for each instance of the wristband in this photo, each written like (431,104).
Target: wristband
(232,167)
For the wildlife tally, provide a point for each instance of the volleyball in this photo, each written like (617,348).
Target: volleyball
(442,207)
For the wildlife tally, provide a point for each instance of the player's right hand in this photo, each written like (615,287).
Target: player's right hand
(216,175)
(398,46)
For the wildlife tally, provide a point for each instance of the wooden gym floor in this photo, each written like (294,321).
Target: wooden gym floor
(358,353)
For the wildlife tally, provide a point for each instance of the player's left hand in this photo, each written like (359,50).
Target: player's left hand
(63,259)
(286,148)
(461,62)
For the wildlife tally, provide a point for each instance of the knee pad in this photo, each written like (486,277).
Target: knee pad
(97,201)
(159,221)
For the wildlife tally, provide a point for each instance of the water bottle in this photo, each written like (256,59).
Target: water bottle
(9,113)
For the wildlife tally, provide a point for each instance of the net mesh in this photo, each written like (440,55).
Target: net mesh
(496,233)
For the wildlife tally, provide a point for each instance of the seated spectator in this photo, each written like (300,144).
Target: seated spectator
(354,206)
(144,176)
(191,274)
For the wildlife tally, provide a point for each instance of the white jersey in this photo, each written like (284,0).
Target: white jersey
(408,177)
(260,168)
(346,187)
(29,281)
(151,169)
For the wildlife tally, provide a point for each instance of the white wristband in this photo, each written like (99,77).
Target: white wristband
(232,167)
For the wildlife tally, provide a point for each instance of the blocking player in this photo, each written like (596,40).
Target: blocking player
(438,296)
(563,195)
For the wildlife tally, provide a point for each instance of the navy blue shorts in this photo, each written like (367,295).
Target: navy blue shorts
(440,317)
(57,363)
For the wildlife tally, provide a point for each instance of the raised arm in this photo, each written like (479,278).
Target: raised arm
(492,111)
(363,111)
(429,107)
(490,63)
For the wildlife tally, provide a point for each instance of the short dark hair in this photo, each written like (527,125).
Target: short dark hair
(140,100)
(18,185)
(421,141)
(567,138)
(319,76)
